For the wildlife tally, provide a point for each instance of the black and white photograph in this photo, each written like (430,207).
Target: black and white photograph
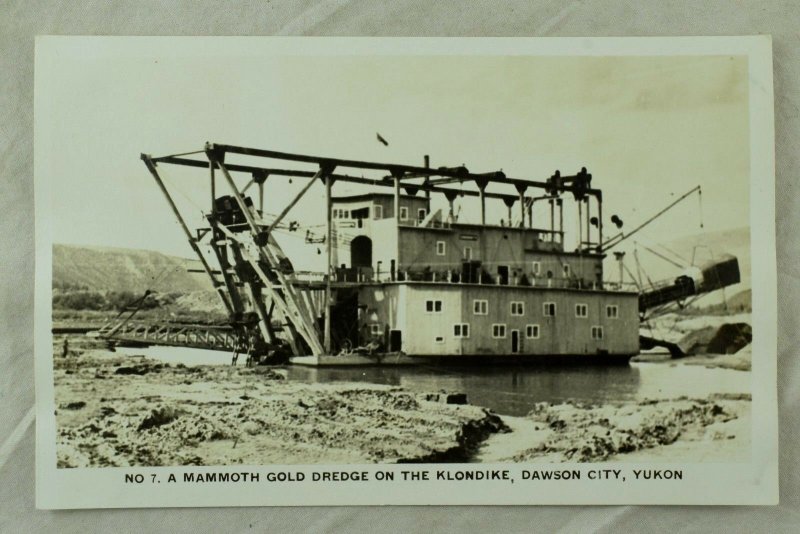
(515,260)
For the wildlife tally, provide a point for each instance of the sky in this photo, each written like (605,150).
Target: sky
(648,128)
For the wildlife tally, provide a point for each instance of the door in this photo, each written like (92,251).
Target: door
(502,274)
(514,341)
(361,252)
(395,340)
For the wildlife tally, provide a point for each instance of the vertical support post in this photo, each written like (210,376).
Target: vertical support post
(552,219)
(482,183)
(329,251)
(560,203)
(396,176)
(599,223)
(427,166)
(261,198)
(521,190)
(483,207)
(588,222)
(580,225)
(397,199)
(530,214)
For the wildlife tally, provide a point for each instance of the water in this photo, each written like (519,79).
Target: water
(186,356)
(509,390)
(514,390)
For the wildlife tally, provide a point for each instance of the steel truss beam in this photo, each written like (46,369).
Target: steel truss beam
(448,174)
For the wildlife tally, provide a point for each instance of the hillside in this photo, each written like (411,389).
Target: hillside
(119,269)
(695,249)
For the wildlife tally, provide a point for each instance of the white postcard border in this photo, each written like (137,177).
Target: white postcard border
(747,483)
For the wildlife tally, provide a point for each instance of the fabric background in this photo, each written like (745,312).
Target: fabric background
(21,20)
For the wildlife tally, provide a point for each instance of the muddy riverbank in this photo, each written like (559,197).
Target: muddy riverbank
(120,411)
(716,428)
(115,409)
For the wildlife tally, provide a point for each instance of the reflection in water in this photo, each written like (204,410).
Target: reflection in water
(514,390)
(508,389)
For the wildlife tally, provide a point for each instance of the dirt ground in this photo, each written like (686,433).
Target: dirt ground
(116,410)
(712,429)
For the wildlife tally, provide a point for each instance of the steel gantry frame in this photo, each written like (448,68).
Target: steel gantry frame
(252,260)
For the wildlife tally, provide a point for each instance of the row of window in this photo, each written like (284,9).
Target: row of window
(421,213)
(481,307)
(461,330)
(377,213)
(536,266)
(532,331)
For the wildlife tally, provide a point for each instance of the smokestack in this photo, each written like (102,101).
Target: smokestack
(427,191)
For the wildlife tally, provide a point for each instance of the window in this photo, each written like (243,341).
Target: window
(375,329)
(403,213)
(438,339)
(566,270)
(480,307)
(597,332)
(612,311)
(461,330)
(581,310)
(517,308)
(378,212)
(532,331)
(498,331)
(536,268)
(433,306)
(440,248)
(467,253)
(549,309)
(421,213)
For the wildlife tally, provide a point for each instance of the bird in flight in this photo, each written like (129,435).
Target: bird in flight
(381,139)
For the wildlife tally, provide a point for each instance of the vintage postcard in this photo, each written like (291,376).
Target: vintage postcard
(287,271)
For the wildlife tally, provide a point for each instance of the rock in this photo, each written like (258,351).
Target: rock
(447,398)
(77,405)
(134,370)
(159,417)
(727,338)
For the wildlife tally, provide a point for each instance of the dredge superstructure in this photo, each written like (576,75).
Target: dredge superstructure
(403,280)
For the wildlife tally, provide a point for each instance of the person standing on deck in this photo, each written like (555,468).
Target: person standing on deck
(65,350)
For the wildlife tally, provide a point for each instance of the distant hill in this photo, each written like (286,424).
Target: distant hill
(120,269)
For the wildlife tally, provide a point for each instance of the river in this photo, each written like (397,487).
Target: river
(508,389)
